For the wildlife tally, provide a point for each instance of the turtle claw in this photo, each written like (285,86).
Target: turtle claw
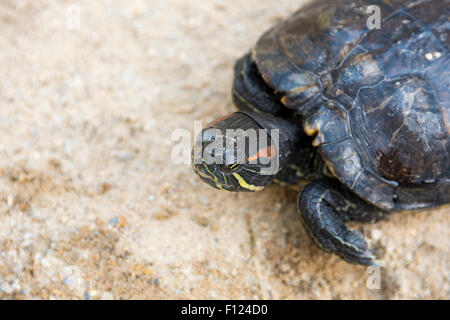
(322,212)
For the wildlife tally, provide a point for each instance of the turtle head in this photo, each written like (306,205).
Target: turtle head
(241,151)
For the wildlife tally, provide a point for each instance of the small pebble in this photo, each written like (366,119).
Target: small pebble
(104,187)
(122,222)
(125,155)
(6,288)
(284,267)
(376,234)
(107,296)
(147,271)
(11,200)
(99,222)
(23,206)
(114,221)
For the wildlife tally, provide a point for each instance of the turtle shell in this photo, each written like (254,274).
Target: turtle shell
(377,101)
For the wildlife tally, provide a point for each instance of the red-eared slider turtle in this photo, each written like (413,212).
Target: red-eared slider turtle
(363,116)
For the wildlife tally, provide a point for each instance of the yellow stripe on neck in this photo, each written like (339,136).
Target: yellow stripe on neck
(245,185)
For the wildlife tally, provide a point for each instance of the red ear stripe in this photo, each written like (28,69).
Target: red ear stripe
(263,152)
(220,119)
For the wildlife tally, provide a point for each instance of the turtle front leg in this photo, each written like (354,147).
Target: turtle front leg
(325,206)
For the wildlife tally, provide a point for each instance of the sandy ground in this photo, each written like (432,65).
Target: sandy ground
(91,205)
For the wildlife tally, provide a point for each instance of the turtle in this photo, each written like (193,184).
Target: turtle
(356,117)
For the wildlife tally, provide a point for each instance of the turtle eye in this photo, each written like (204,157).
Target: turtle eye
(228,168)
